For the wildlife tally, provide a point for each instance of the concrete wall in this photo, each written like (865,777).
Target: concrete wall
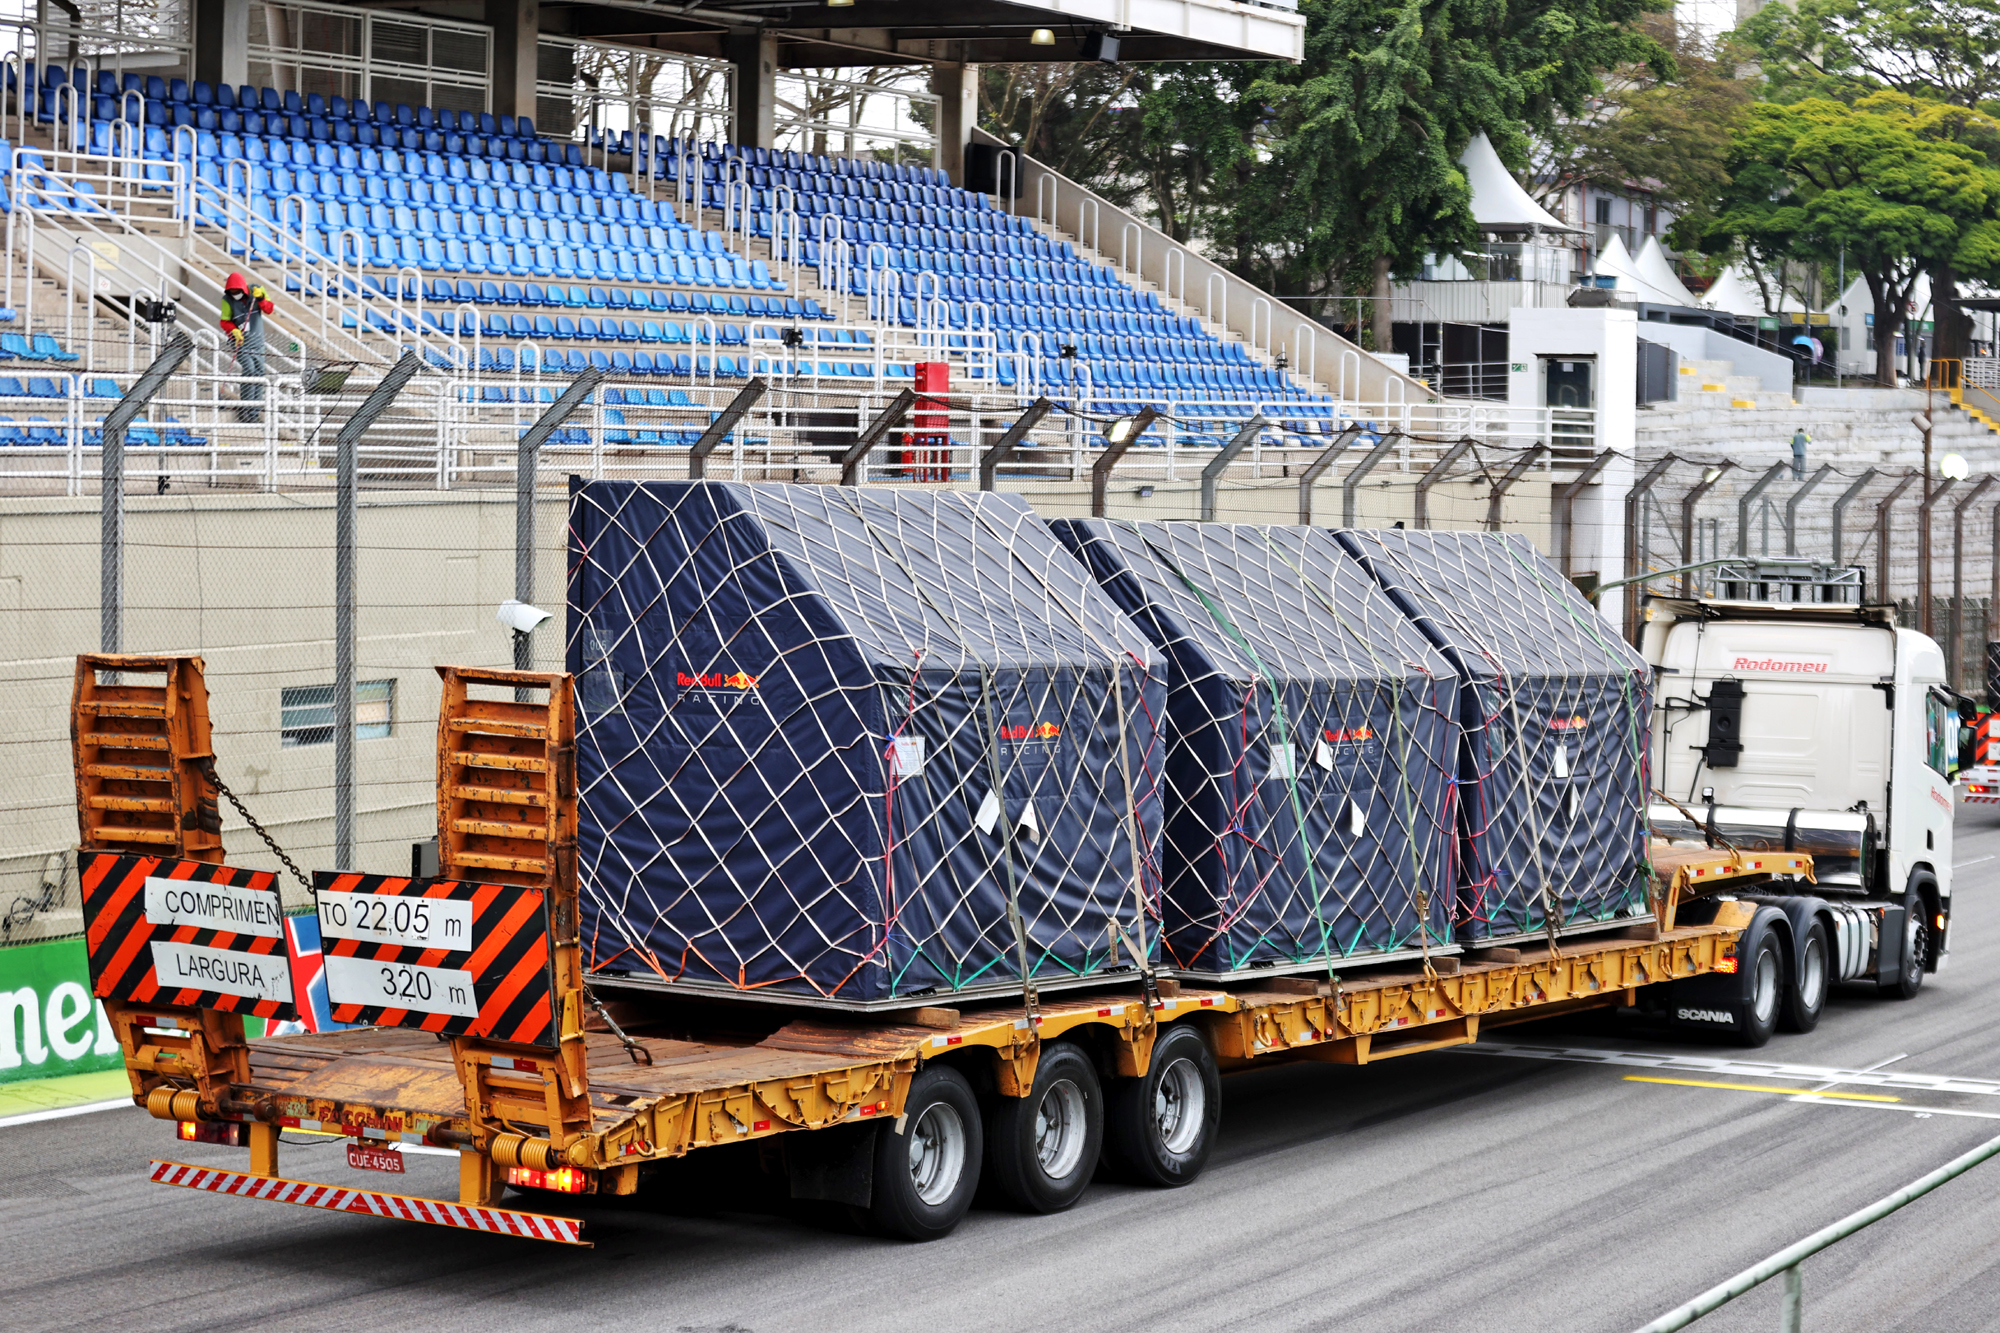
(1696,343)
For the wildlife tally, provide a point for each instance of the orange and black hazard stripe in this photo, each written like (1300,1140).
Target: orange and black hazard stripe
(118,936)
(512,966)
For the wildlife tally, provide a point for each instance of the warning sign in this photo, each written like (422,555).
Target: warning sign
(185,934)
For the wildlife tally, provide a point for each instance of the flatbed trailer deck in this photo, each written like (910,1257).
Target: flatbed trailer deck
(590,1111)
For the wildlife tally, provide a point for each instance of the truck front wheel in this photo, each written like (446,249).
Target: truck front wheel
(1916,942)
(1042,1149)
(1161,1126)
(926,1175)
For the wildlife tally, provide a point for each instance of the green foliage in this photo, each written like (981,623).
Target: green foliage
(1306,178)
(1944,50)
(1897,184)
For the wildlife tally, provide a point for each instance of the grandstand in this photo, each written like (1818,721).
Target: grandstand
(679,265)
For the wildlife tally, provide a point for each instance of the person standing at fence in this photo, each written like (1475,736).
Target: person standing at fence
(244,306)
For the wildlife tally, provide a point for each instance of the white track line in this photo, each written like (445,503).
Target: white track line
(31,1117)
(1714,1067)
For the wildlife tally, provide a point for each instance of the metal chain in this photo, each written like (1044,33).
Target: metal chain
(640,1055)
(207,767)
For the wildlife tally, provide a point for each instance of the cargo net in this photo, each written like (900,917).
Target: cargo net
(1312,736)
(855,746)
(1554,779)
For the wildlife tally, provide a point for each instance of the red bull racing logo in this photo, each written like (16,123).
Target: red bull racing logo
(1574,722)
(715,680)
(1031,731)
(1341,735)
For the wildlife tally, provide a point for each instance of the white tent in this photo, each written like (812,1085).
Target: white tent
(1733,293)
(1654,267)
(1498,201)
(1615,261)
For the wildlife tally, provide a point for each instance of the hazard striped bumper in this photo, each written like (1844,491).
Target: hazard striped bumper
(403,1207)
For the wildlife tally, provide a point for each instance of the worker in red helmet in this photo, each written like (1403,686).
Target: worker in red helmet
(244,306)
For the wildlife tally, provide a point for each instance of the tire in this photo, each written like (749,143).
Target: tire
(925,1176)
(1809,980)
(1916,943)
(1160,1128)
(1762,996)
(1042,1149)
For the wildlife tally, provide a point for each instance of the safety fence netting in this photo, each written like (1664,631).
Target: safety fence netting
(1553,780)
(1311,742)
(855,746)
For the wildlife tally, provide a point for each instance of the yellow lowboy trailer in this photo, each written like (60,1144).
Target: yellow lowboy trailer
(586,1106)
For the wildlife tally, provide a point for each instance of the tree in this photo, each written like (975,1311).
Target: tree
(1898,184)
(1364,135)
(1941,50)
(1669,136)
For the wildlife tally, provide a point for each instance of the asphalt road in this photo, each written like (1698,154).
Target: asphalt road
(1456,1190)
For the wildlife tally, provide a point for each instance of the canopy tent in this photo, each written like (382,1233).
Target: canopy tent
(1498,201)
(850,745)
(1310,734)
(1653,266)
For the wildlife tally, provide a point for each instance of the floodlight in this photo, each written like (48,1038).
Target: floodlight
(520,617)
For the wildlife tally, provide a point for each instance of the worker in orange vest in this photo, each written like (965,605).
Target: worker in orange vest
(244,306)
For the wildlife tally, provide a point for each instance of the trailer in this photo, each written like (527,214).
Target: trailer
(489,1040)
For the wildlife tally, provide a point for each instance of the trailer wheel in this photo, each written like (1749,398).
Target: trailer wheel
(1763,982)
(1805,996)
(1042,1149)
(925,1176)
(1159,1128)
(1916,942)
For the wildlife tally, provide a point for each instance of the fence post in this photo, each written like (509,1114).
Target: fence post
(347,451)
(1840,507)
(1635,554)
(856,458)
(1100,470)
(111,490)
(1748,498)
(725,421)
(1513,474)
(1882,509)
(1212,473)
(1792,508)
(1310,477)
(1566,503)
(1352,480)
(1001,452)
(1695,493)
(527,455)
(1955,653)
(1435,474)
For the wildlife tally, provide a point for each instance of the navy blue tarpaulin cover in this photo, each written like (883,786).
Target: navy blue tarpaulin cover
(826,735)
(1556,708)
(1311,733)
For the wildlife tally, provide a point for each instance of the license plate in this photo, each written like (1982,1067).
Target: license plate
(374,1159)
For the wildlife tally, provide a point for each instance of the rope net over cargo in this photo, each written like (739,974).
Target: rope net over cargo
(1311,743)
(855,745)
(1554,773)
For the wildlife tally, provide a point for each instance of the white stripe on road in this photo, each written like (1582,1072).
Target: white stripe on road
(30,1117)
(1829,1077)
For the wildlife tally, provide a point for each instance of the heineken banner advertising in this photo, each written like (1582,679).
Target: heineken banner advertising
(49,1024)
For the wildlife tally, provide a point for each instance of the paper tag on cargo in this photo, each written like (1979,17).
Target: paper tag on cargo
(906,757)
(1323,755)
(988,816)
(1284,763)
(1562,759)
(1027,826)
(1357,818)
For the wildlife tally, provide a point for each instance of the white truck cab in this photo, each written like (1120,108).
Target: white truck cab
(1788,714)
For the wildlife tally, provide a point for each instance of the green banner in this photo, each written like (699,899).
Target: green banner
(49,1024)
